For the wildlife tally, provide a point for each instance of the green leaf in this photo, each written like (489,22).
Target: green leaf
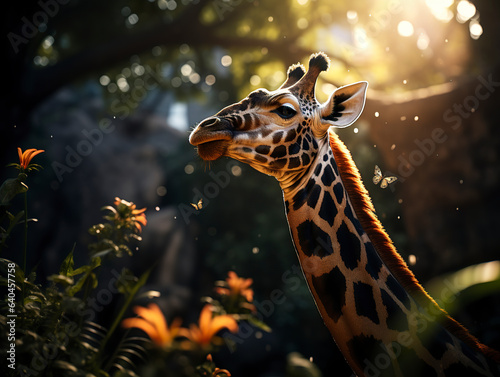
(87,274)
(33,298)
(109,208)
(258,323)
(80,283)
(94,263)
(34,167)
(6,266)
(126,282)
(102,254)
(142,280)
(31,277)
(149,295)
(61,279)
(135,236)
(72,304)
(67,264)
(13,221)
(10,188)
(299,366)
(64,365)
(124,248)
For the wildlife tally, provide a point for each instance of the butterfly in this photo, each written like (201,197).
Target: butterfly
(198,205)
(386,181)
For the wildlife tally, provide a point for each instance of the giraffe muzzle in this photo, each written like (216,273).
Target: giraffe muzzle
(212,137)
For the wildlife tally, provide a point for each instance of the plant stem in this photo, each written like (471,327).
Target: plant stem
(25,241)
(118,319)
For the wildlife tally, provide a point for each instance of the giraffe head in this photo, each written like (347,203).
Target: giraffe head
(280,132)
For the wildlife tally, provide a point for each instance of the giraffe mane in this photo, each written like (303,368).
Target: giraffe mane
(365,212)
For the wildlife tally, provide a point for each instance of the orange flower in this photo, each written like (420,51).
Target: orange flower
(153,323)
(209,326)
(26,156)
(217,371)
(139,217)
(25,160)
(128,209)
(237,286)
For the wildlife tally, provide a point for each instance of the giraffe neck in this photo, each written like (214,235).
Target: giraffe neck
(379,327)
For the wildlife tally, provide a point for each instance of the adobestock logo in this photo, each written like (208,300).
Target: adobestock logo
(470,104)
(39,20)
(211,190)
(454,117)
(420,320)
(92,138)
(223,6)
(74,155)
(380,21)
(292,280)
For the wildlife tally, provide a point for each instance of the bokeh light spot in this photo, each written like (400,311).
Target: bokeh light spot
(439,9)
(255,80)
(226,60)
(236,170)
(161,191)
(423,41)
(352,16)
(405,29)
(465,11)
(104,80)
(48,42)
(302,23)
(186,70)
(210,80)
(123,84)
(133,19)
(176,82)
(189,169)
(475,29)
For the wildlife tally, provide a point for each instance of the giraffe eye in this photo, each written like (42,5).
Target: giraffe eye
(286,111)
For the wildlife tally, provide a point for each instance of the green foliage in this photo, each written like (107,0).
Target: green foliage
(299,366)
(49,330)
(236,298)
(122,227)
(10,188)
(54,331)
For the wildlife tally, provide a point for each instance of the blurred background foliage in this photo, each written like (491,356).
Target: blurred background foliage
(137,75)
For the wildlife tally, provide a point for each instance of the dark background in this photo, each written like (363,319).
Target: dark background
(111,89)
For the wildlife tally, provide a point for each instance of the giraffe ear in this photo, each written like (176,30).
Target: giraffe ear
(345,105)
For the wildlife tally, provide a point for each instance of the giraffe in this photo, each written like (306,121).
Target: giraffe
(380,317)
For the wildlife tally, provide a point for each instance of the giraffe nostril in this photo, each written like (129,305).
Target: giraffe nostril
(209,122)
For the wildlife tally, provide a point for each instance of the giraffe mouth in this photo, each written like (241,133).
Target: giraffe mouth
(212,137)
(212,150)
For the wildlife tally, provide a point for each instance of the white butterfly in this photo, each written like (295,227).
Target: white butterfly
(199,205)
(386,181)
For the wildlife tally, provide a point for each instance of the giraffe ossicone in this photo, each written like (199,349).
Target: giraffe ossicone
(380,317)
